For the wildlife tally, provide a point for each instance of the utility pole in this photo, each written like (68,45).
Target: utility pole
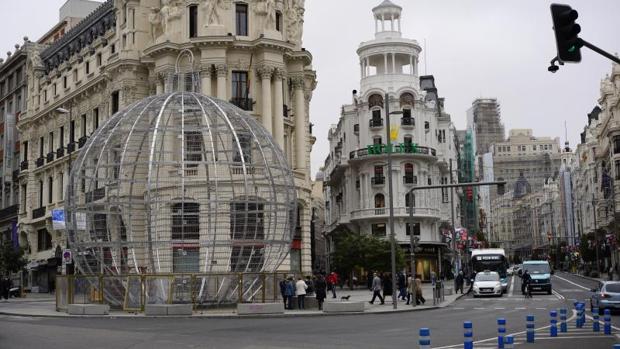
(598,267)
(455,254)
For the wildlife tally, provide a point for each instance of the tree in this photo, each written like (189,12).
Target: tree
(11,259)
(587,254)
(353,251)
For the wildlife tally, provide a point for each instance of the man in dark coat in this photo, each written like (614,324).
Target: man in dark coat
(402,286)
(283,291)
(459,282)
(320,288)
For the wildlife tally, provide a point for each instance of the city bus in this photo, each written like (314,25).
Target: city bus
(492,259)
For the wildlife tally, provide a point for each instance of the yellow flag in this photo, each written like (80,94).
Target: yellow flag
(394,132)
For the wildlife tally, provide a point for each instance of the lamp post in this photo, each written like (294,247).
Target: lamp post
(598,266)
(391,194)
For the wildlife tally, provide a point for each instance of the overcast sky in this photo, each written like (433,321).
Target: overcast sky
(474,48)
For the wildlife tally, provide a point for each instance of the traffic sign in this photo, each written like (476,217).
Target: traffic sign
(67,256)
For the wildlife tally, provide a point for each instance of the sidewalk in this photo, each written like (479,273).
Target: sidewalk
(44,305)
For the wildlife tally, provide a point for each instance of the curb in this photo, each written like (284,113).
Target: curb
(231,316)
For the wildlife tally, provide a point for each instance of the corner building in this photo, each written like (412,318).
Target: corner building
(247,52)
(356,186)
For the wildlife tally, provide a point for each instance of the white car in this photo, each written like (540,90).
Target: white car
(487,283)
(510,270)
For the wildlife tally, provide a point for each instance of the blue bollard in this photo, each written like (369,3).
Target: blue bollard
(579,319)
(596,326)
(563,327)
(468,332)
(501,332)
(530,328)
(425,338)
(607,325)
(616,346)
(583,314)
(553,329)
(509,342)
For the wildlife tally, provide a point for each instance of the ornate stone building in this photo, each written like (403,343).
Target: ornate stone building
(356,184)
(247,52)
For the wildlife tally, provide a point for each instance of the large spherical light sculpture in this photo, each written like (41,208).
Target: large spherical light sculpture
(180,183)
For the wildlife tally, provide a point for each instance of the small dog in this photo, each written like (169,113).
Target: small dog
(345,298)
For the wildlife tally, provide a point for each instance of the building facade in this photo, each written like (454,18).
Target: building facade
(247,52)
(422,147)
(484,117)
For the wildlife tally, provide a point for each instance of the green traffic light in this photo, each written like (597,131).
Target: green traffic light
(572,49)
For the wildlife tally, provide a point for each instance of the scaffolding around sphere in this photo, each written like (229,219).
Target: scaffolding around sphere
(180,183)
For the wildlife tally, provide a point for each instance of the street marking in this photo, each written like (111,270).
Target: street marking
(557,294)
(570,337)
(512,286)
(502,308)
(479,308)
(572,283)
(520,308)
(541,308)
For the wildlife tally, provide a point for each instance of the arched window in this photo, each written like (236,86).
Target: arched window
(375,100)
(407,100)
(408,200)
(379,201)
(409,177)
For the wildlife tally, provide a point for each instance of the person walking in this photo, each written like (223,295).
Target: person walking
(419,297)
(387,285)
(300,291)
(310,284)
(376,289)
(459,282)
(320,289)
(289,292)
(283,291)
(332,282)
(410,288)
(402,286)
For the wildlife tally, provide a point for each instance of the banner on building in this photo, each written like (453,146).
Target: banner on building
(58,219)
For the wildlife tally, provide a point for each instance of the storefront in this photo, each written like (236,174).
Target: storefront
(427,258)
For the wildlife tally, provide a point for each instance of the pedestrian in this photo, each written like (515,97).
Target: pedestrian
(376,289)
(459,282)
(289,292)
(4,289)
(369,278)
(402,286)
(320,288)
(419,297)
(387,285)
(410,288)
(332,281)
(310,284)
(300,291)
(283,291)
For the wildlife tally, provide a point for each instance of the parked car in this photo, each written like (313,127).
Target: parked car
(606,296)
(487,283)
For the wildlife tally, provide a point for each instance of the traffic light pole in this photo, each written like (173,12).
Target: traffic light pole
(599,51)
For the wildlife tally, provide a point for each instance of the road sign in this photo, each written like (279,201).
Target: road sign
(67,256)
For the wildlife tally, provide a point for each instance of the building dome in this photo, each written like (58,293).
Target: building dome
(181,183)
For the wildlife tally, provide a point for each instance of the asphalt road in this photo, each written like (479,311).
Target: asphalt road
(353,331)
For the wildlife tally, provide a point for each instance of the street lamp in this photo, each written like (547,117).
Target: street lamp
(391,193)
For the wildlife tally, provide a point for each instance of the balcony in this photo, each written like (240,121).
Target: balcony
(70,147)
(410,180)
(375,123)
(50,157)
(38,212)
(407,122)
(399,149)
(403,212)
(243,103)
(40,161)
(8,212)
(378,180)
(60,152)
(82,141)
(24,165)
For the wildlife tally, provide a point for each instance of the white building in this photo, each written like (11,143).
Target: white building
(356,187)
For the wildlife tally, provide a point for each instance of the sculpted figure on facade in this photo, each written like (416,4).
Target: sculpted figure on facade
(214,10)
(294,19)
(265,10)
(170,12)
(155,21)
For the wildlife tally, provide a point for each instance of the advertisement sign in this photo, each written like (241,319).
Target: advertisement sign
(58,219)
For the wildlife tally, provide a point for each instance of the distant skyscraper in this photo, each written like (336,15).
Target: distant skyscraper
(484,118)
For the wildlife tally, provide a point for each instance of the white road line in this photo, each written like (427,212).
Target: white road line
(541,308)
(512,286)
(500,308)
(557,294)
(479,308)
(520,308)
(572,283)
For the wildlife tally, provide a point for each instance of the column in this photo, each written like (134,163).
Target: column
(300,123)
(159,85)
(382,22)
(393,63)
(399,24)
(362,68)
(265,74)
(392,22)
(376,25)
(278,109)
(205,81)
(222,74)
(385,63)
(411,68)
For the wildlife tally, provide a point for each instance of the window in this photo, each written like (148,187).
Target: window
(40,193)
(44,240)
(186,259)
(99,59)
(61,136)
(377,140)
(75,75)
(193,21)
(246,149)
(407,140)
(534,147)
(247,220)
(193,148)
(61,181)
(241,19)
(378,230)
(25,150)
(83,125)
(617,169)
(18,76)
(87,67)
(407,113)
(376,115)
(379,201)
(240,90)
(115,102)
(112,49)
(41,142)
(416,229)
(50,189)
(50,142)
(379,171)
(72,131)
(95,118)
(616,141)
(24,195)
(186,221)
(444,191)
(45,95)
(64,82)
(250,258)
(278,20)
(408,201)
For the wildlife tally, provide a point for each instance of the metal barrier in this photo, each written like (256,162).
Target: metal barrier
(203,291)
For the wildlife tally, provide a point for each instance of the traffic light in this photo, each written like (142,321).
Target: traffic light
(501,188)
(566,33)
(469,193)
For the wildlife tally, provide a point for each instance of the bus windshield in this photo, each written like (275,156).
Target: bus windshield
(491,262)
